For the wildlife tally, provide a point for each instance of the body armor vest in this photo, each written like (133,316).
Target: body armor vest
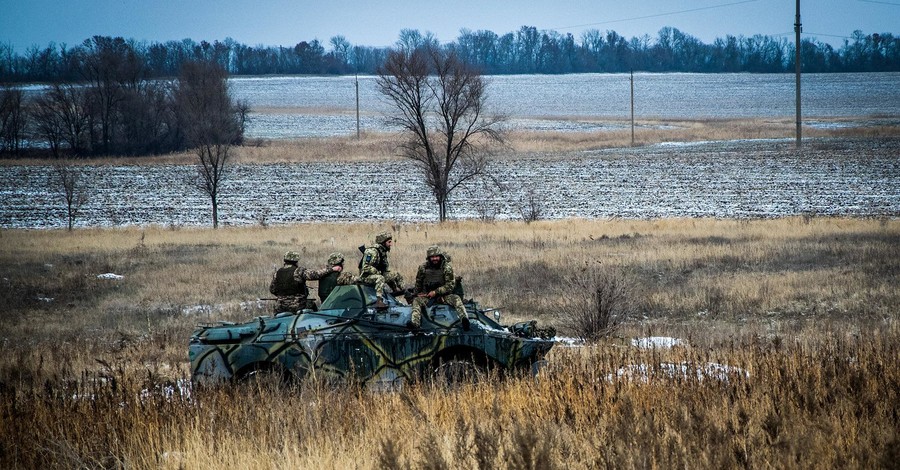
(285,285)
(327,284)
(434,277)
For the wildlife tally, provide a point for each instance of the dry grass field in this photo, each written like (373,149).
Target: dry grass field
(540,144)
(804,311)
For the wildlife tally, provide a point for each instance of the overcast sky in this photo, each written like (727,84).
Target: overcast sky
(26,23)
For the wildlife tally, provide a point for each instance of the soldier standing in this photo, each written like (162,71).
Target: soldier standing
(435,281)
(375,270)
(334,277)
(289,284)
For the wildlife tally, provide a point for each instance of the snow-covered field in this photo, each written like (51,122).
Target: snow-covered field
(735,179)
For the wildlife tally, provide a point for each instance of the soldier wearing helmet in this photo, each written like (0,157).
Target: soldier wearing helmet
(436,282)
(374,268)
(335,277)
(289,284)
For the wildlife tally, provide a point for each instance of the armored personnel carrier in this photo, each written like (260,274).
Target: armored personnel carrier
(348,339)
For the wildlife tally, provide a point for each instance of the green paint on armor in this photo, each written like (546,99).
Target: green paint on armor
(347,339)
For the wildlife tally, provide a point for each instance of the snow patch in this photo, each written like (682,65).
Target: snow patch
(568,342)
(657,342)
(198,309)
(112,276)
(180,388)
(682,370)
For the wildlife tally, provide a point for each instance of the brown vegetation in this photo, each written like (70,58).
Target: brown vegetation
(520,144)
(805,306)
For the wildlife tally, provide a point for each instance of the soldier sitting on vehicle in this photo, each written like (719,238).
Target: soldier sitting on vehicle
(374,268)
(289,284)
(435,281)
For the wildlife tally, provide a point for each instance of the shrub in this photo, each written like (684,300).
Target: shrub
(596,300)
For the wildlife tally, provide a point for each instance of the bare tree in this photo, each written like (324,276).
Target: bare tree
(111,66)
(69,105)
(13,119)
(48,123)
(530,207)
(439,103)
(67,177)
(212,123)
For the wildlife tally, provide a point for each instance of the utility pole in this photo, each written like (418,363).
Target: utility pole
(632,108)
(797,28)
(357,104)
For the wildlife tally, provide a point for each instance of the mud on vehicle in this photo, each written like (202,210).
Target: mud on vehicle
(348,339)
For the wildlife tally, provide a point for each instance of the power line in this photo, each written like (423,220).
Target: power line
(839,36)
(883,3)
(656,15)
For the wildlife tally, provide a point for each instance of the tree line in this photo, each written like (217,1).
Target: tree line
(112,96)
(109,103)
(527,50)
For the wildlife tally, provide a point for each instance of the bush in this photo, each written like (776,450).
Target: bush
(596,300)
(530,207)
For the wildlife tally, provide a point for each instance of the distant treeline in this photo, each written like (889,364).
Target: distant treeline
(527,50)
(108,104)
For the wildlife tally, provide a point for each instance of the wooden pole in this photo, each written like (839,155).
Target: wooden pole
(632,108)
(797,28)
(357,106)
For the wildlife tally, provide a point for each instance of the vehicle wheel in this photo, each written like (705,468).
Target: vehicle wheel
(456,372)
(265,377)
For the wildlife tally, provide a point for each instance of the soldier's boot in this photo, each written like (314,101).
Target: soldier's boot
(463,316)
(380,305)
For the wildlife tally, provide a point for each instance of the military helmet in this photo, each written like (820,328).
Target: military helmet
(335,259)
(383,237)
(292,256)
(434,250)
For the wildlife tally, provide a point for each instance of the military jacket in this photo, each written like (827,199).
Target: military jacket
(439,279)
(374,261)
(302,274)
(290,280)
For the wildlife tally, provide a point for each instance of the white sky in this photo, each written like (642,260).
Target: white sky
(26,23)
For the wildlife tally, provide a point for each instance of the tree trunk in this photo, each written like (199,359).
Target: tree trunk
(442,207)
(70,215)
(215,214)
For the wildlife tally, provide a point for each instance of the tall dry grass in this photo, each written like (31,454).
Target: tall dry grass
(832,403)
(807,306)
(789,268)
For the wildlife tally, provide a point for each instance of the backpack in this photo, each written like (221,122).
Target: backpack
(362,251)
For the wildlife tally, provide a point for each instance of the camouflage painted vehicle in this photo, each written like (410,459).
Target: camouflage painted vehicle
(347,339)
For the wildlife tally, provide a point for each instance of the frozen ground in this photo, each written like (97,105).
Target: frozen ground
(734,179)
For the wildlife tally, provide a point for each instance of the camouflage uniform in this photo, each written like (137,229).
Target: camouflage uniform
(289,285)
(328,282)
(374,268)
(439,279)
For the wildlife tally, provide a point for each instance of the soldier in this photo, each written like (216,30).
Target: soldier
(334,277)
(435,281)
(375,270)
(289,284)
